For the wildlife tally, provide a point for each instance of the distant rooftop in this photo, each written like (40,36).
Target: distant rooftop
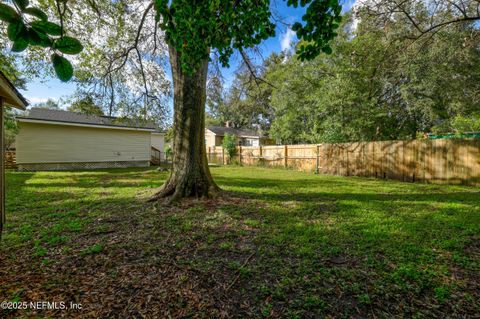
(221,131)
(61,116)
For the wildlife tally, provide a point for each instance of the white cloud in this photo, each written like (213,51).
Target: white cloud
(356,19)
(354,24)
(35,99)
(286,40)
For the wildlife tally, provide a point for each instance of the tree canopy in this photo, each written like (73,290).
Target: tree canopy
(379,83)
(194,28)
(85,105)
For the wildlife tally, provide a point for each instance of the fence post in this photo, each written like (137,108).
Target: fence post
(260,156)
(209,154)
(240,153)
(286,156)
(223,156)
(318,160)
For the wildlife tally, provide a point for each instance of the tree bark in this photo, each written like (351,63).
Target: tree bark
(190,175)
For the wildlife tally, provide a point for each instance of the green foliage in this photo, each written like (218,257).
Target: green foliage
(192,29)
(169,135)
(8,14)
(49,104)
(9,68)
(29,26)
(463,124)
(195,28)
(247,103)
(63,67)
(37,13)
(85,105)
(319,28)
(168,152)
(68,45)
(95,249)
(342,256)
(11,128)
(229,144)
(22,4)
(377,84)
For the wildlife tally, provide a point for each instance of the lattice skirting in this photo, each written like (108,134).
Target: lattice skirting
(79,166)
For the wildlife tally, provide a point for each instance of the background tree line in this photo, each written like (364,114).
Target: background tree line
(384,80)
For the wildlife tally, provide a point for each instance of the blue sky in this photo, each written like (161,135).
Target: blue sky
(51,88)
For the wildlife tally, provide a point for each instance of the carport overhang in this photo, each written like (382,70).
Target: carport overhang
(9,97)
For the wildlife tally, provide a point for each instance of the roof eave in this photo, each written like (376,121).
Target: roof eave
(10,95)
(40,121)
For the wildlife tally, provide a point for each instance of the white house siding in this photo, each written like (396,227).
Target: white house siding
(44,143)
(210,138)
(158,141)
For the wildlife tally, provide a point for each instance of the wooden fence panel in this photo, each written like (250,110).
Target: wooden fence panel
(10,160)
(409,161)
(454,161)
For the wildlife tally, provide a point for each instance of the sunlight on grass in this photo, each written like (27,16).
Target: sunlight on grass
(328,245)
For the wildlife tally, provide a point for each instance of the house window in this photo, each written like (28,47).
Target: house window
(248,142)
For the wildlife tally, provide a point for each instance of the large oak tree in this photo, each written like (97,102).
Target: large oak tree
(193,29)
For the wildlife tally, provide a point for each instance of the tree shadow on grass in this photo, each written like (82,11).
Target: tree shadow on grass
(318,248)
(360,189)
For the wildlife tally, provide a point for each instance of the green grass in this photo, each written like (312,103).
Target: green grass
(280,244)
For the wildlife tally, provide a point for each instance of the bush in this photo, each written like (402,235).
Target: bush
(168,152)
(468,124)
(459,125)
(230,145)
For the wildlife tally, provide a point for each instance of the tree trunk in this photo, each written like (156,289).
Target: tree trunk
(190,176)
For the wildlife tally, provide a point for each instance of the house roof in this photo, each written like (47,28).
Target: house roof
(221,131)
(10,94)
(72,118)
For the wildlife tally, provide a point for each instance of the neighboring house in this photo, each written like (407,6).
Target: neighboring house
(61,140)
(158,140)
(214,136)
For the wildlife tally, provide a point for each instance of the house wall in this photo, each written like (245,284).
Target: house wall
(210,138)
(248,141)
(218,140)
(158,141)
(59,144)
(265,141)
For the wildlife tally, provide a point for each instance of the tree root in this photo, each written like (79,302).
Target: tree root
(170,194)
(166,191)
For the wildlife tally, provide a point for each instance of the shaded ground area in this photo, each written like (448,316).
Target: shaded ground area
(283,244)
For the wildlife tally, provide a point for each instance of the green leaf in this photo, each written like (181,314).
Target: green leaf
(327,50)
(47,27)
(68,45)
(8,14)
(37,37)
(20,45)
(63,67)
(15,29)
(22,4)
(36,12)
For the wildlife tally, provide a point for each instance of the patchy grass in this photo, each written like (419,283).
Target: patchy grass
(280,244)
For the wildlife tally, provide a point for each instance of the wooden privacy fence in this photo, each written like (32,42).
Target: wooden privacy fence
(447,161)
(10,160)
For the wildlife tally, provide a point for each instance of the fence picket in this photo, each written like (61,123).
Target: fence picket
(448,161)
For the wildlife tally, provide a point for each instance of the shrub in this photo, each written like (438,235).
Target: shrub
(230,145)
(461,124)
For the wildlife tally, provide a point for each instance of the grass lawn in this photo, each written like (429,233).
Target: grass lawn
(282,244)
